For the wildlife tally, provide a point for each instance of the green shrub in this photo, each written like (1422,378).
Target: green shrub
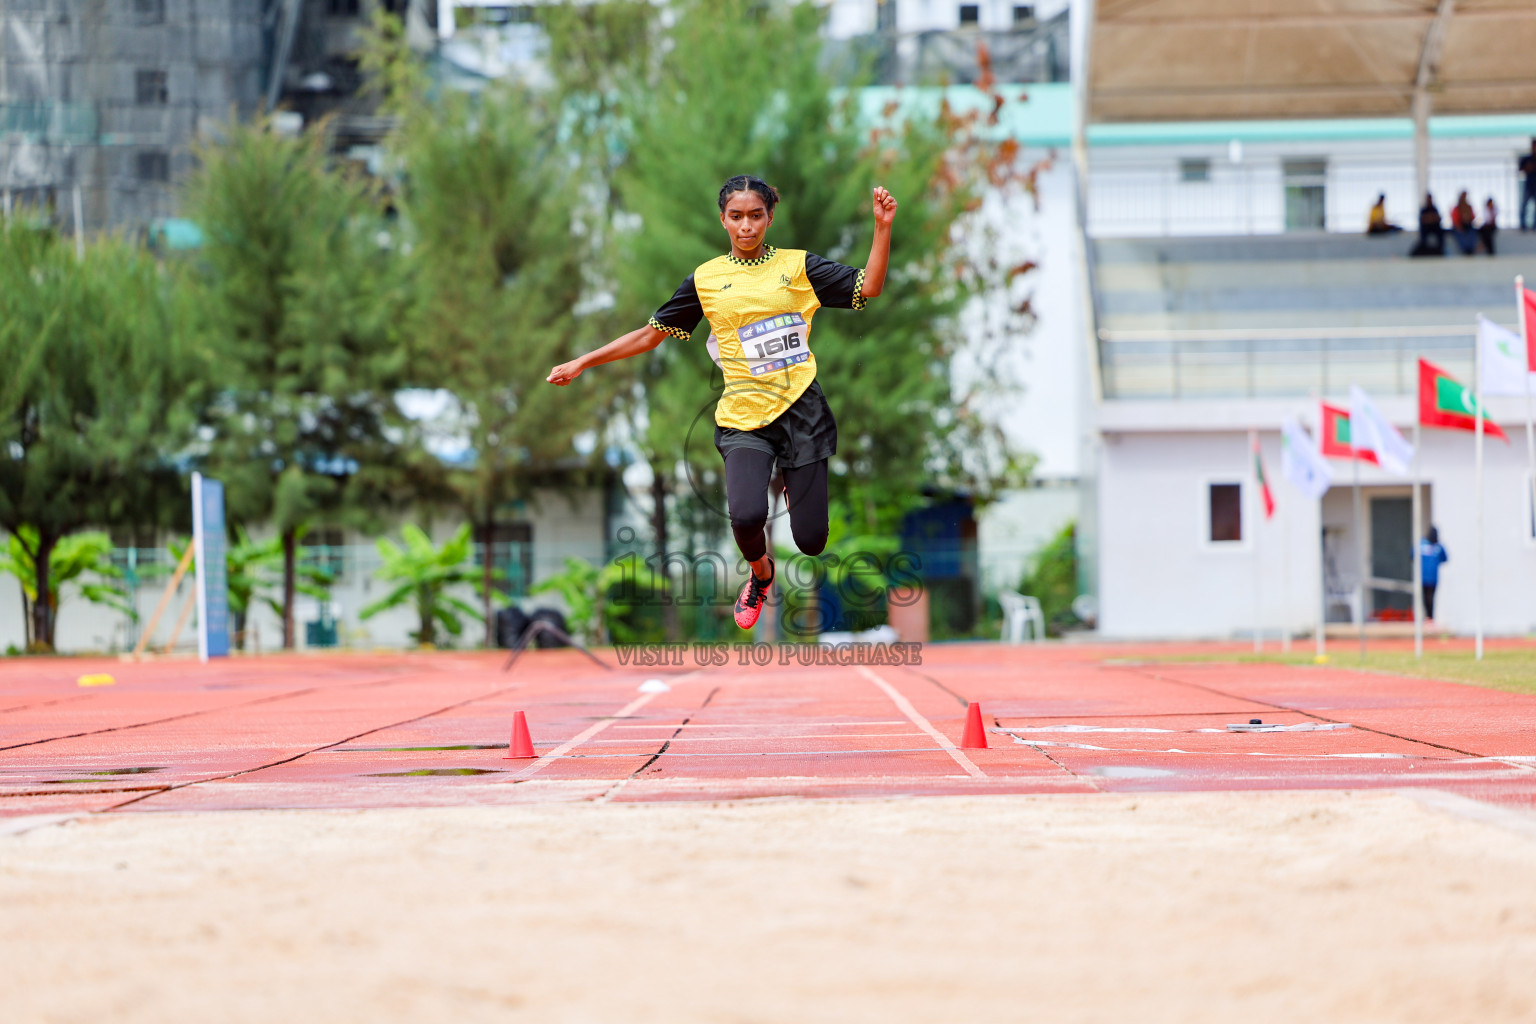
(1052,579)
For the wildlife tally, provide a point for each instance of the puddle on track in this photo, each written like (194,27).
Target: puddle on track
(433,771)
(96,776)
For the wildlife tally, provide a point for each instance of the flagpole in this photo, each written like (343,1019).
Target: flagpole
(1477,383)
(1322,584)
(1418,531)
(1321,642)
(1360,545)
(1258,519)
(1285,578)
(1530,432)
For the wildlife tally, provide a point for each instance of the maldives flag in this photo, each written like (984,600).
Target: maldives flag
(1446,402)
(1263,481)
(1529,298)
(1334,437)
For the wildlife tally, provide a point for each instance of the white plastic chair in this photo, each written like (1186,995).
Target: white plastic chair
(1019,611)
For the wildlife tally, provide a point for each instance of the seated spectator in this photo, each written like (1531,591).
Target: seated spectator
(1378,223)
(1464,225)
(1527,168)
(1431,230)
(1490,225)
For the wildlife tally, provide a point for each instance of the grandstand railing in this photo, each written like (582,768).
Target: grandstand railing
(1154,198)
(1282,362)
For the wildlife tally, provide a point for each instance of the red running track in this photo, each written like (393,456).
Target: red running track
(415,730)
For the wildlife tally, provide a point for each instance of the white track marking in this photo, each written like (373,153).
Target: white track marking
(593,730)
(905,707)
(19,825)
(1475,810)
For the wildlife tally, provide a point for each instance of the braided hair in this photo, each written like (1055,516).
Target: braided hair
(747,183)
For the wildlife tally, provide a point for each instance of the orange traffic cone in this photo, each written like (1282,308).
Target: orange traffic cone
(522,743)
(975,737)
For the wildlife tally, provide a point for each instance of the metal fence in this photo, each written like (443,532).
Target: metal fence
(1199,196)
(956,572)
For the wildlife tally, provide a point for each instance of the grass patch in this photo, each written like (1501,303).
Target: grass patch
(1502,668)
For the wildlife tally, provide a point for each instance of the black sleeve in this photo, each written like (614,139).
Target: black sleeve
(836,286)
(682,312)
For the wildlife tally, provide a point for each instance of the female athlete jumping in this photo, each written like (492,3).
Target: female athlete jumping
(760,302)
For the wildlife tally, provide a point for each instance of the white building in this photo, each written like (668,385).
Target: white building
(1231,285)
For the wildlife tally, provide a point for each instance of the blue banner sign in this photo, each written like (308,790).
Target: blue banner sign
(211,554)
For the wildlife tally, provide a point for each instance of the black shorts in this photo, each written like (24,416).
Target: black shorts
(804,433)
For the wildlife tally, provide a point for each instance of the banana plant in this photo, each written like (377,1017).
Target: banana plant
(423,573)
(83,559)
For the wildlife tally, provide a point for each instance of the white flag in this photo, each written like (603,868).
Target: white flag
(1370,430)
(1301,462)
(1503,359)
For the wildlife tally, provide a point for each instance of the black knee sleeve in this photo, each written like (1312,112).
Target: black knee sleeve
(805,488)
(746,495)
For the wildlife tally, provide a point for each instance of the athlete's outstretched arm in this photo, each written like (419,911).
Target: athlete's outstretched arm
(631,344)
(880,249)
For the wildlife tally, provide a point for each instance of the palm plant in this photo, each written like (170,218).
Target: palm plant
(423,574)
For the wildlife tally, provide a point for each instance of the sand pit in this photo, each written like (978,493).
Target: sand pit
(1168,907)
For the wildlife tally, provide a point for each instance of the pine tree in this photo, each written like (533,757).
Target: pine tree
(742,89)
(489,197)
(98,399)
(299,291)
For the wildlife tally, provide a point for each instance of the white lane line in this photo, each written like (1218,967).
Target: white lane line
(905,707)
(593,729)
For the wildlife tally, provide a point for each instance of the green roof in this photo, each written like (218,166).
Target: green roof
(1044,114)
(1356,129)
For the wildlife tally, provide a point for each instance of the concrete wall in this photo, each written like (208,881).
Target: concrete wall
(1160,576)
(1012,531)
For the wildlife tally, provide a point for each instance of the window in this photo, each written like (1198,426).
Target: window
(150,88)
(154,165)
(134,550)
(1305,181)
(511,553)
(1023,14)
(149,12)
(1195,169)
(970,14)
(324,549)
(1226,513)
(343,8)
(885,16)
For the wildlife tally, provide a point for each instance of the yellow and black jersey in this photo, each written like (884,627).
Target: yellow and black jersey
(760,312)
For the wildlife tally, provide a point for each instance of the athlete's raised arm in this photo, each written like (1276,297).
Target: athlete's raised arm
(631,344)
(880,248)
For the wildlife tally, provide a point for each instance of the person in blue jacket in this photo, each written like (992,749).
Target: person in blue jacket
(1431,556)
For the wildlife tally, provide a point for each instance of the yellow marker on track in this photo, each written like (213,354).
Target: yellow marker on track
(98,679)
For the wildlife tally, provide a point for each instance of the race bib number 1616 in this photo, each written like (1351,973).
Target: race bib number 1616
(775,343)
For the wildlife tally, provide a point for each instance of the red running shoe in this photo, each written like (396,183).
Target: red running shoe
(753,593)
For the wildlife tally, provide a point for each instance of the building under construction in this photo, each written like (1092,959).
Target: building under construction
(102,101)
